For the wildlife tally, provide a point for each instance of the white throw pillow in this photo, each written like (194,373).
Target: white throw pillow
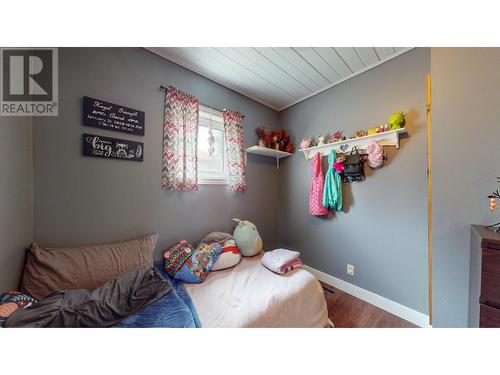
(229,257)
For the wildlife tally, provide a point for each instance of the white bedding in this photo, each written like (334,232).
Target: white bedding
(249,295)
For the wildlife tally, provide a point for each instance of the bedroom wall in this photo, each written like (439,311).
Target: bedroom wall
(16,197)
(383,231)
(465,113)
(81,200)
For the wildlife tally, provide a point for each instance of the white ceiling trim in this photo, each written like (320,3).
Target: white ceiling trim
(381,53)
(366,68)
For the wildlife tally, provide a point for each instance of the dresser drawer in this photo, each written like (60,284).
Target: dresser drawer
(489,317)
(490,278)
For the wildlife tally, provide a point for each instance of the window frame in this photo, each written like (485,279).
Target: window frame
(216,118)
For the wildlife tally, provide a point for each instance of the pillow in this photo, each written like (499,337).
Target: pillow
(11,301)
(190,265)
(219,237)
(87,267)
(230,255)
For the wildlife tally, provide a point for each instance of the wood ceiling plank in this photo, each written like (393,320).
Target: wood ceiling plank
(274,57)
(384,52)
(224,65)
(333,59)
(281,78)
(318,63)
(367,55)
(259,70)
(349,55)
(300,63)
(201,64)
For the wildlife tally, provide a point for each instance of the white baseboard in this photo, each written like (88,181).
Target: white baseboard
(386,304)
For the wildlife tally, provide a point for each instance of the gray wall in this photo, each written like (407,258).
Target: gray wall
(465,116)
(384,227)
(16,197)
(80,200)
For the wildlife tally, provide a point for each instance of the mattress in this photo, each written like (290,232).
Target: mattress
(249,295)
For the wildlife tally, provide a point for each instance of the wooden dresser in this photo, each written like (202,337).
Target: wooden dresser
(484,278)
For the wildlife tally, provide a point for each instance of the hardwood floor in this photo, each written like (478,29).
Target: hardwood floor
(346,311)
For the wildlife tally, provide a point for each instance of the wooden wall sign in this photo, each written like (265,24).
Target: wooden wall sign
(100,114)
(111,148)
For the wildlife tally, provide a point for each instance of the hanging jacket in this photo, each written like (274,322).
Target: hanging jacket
(332,194)
(316,191)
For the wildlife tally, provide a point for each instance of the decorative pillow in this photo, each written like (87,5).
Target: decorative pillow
(11,301)
(190,265)
(176,256)
(87,267)
(230,255)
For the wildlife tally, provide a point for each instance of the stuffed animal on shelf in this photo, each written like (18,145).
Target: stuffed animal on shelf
(336,136)
(305,143)
(397,120)
(278,136)
(265,136)
(247,238)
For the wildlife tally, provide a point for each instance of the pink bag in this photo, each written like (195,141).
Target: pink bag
(375,155)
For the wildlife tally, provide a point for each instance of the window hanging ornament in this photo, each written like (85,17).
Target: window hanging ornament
(493,202)
(211,138)
(493,206)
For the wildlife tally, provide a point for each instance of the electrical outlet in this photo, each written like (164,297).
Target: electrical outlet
(350,269)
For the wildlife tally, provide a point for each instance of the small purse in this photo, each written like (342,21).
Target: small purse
(353,166)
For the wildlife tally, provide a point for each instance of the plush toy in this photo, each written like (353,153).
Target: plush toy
(336,136)
(230,255)
(247,238)
(305,143)
(265,136)
(397,120)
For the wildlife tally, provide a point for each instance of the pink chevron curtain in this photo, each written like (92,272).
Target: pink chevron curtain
(180,141)
(233,132)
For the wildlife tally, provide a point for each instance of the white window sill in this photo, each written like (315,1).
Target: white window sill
(212,182)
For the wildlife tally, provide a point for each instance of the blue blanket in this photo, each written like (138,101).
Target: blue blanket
(174,310)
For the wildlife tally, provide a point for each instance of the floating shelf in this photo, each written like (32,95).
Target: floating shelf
(388,138)
(265,151)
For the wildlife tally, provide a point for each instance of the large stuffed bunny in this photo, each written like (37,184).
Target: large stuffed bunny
(247,238)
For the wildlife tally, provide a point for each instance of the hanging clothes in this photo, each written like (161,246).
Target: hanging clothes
(332,194)
(316,191)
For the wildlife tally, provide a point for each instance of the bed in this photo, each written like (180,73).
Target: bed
(249,295)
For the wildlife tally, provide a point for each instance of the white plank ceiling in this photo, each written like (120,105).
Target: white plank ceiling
(279,77)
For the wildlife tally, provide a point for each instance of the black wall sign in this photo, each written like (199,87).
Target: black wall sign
(104,115)
(112,148)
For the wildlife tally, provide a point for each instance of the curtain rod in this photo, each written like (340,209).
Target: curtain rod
(217,109)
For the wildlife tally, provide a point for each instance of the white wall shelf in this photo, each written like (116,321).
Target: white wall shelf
(388,138)
(270,152)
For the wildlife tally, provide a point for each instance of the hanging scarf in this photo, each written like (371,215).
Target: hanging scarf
(332,195)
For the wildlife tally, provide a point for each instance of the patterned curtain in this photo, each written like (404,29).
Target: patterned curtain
(180,141)
(233,132)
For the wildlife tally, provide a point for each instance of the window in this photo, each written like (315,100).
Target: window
(212,163)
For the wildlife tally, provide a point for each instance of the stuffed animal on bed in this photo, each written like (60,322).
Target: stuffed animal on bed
(230,255)
(247,238)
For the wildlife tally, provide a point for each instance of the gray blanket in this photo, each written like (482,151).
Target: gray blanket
(101,307)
